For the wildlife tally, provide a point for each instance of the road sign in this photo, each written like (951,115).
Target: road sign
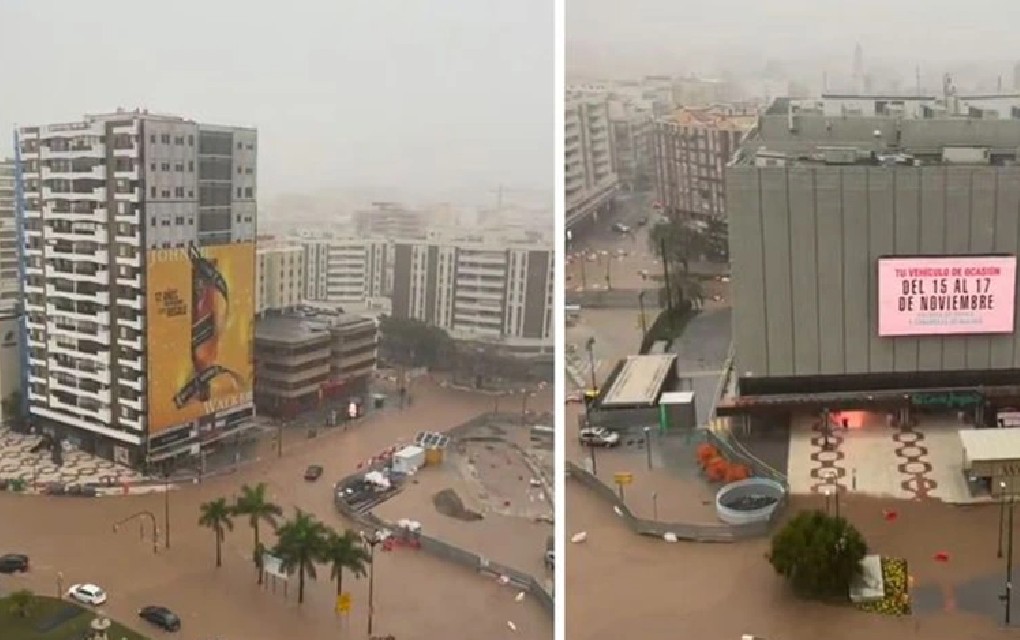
(343,603)
(622,478)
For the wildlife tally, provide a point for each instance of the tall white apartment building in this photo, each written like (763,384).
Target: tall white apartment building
(279,275)
(346,269)
(481,288)
(109,201)
(10,287)
(589,179)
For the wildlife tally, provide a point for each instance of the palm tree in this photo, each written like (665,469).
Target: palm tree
(22,602)
(345,551)
(301,543)
(254,503)
(216,515)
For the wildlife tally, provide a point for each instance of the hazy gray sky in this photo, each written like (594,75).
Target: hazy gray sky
(906,30)
(429,95)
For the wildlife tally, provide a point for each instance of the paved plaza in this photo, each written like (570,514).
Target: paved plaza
(18,462)
(874,458)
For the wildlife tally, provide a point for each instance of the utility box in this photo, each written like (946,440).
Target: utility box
(677,411)
(408,460)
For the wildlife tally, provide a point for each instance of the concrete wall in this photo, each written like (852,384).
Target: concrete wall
(804,244)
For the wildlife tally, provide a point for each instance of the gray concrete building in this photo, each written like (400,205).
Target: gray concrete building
(815,200)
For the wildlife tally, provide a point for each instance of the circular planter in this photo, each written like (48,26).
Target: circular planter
(748,501)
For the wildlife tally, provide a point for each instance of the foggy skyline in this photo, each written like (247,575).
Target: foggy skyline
(427,98)
(659,36)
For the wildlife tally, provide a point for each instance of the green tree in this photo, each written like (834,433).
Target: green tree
(820,555)
(413,343)
(254,504)
(22,602)
(345,551)
(301,542)
(216,516)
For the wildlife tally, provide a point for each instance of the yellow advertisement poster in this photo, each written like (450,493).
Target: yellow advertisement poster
(200,331)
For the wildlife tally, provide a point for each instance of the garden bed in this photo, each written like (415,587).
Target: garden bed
(46,610)
(897,591)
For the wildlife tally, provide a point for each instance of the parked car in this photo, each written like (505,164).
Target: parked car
(313,472)
(598,437)
(13,563)
(161,617)
(619,227)
(87,594)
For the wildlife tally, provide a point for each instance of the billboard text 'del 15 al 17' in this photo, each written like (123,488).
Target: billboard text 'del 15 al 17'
(201,317)
(927,296)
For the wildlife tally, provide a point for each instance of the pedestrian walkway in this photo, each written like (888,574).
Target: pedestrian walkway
(17,462)
(875,458)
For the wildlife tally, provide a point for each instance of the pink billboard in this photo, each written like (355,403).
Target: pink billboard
(926,296)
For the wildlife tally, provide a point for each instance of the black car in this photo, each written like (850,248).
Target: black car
(13,563)
(313,473)
(161,617)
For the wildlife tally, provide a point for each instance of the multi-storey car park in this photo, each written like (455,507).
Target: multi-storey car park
(113,208)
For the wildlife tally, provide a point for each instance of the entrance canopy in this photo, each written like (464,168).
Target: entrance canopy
(640,381)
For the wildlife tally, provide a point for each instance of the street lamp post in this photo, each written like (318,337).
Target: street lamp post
(590,346)
(609,272)
(166,510)
(648,446)
(524,406)
(655,505)
(142,514)
(371,541)
(1002,515)
(1007,597)
(641,305)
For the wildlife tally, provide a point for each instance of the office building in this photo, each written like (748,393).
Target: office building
(692,147)
(874,257)
(309,356)
(479,288)
(589,181)
(139,255)
(280,278)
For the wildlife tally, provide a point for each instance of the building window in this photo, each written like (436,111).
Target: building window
(179,220)
(191,166)
(251,147)
(165,138)
(179,192)
(152,167)
(179,167)
(153,220)
(179,140)
(165,166)
(239,192)
(249,192)
(191,141)
(238,146)
(165,223)
(238,169)
(152,191)
(191,194)
(166,193)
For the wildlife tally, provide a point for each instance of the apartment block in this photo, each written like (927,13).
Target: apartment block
(487,289)
(346,268)
(390,220)
(631,127)
(139,258)
(280,274)
(10,287)
(589,181)
(692,147)
(309,356)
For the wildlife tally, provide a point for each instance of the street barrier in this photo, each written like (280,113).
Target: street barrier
(693,532)
(442,549)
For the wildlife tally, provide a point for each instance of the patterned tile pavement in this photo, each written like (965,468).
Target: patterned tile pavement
(17,461)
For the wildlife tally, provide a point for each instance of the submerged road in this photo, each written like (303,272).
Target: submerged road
(71,540)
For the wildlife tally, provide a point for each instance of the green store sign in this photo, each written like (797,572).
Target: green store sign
(947,400)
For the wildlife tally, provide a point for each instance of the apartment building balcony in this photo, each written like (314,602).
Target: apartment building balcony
(135,282)
(133,217)
(136,302)
(83,369)
(130,322)
(70,311)
(137,403)
(135,364)
(481,258)
(83,412)
(132,240)
(291,358)
(78,271)
(68,331)
(76,292)
(477,319)
(472,294)
(137,383)
(467,270)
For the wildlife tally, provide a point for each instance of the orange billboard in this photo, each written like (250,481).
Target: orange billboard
(201,308)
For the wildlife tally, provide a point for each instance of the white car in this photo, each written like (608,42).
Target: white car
(87,594)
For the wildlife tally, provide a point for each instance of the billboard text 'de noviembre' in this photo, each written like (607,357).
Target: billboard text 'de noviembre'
(941,295)
(201,327)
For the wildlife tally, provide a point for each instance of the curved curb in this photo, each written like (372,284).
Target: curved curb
(671,531)
(444,550)
(733,516)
